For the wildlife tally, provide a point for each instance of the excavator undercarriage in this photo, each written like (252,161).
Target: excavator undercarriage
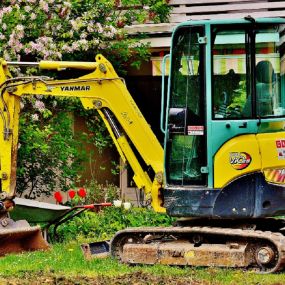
(252,244)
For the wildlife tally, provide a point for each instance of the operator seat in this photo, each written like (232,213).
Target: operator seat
(265,81)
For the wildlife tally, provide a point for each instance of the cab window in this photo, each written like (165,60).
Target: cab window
(248,73)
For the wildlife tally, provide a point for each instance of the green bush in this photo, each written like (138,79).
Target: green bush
(103,225)
(49,156)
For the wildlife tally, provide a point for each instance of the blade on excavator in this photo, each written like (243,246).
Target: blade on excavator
(19,236)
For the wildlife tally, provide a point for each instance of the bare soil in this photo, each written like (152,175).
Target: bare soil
(137,278)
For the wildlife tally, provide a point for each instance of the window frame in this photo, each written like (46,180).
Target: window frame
(251,30)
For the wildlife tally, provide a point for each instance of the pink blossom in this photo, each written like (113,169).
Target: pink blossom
(67,48)
(33,16)
(44,39)
(20,31)
(83,44)
(90,28)
(44,6)
(27,50)
(39,105)
(99,28)
(28,9)
(35,117)
(36,46)
(75,46)
(58,55)
(7,10)
(14,42)
(46,54)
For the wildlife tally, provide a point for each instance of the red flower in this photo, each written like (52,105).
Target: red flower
(58,197)
(81,192)
(71,193)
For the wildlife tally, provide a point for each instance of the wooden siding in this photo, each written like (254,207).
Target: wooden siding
(184,10)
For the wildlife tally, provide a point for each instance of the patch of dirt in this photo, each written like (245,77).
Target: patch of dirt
(137,278)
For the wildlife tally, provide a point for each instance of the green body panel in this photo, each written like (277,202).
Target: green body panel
(220,131)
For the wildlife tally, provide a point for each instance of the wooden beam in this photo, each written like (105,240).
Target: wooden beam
(150,28)
(228,7)
(178,18)
(159,42)
(191,2)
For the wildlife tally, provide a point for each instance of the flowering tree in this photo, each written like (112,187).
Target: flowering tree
(66,30)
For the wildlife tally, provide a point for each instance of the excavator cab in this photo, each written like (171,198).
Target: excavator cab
(225,139)
(224,150)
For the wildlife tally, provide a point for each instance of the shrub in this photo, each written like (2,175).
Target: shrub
(49,157)
(93,193)
(103,225)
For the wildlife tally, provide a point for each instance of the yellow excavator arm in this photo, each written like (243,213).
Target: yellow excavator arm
(101,89)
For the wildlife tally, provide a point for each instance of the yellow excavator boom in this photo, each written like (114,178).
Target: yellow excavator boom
(101,89)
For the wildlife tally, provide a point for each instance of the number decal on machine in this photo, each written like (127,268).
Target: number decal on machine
(240,160)
(280,145)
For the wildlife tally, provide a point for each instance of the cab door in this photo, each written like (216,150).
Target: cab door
(233,85)
(185,146)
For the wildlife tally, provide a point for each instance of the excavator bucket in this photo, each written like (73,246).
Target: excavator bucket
(100,249)
(19,236)
(16,235)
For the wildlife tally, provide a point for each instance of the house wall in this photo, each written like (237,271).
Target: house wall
(183,10)
(99,164)
(146,91)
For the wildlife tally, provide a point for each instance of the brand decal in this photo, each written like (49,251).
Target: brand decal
(240,160)
(75,88)
(280,145)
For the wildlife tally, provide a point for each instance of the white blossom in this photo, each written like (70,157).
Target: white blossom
(35,117)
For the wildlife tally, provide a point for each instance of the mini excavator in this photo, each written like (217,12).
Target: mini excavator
(222,173)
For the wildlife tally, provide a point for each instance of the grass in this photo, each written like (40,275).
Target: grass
(67,260)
